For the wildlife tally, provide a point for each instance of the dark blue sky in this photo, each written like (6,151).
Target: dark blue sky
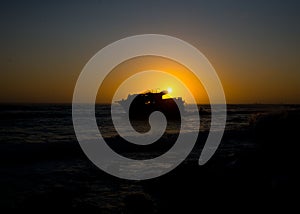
(253,45)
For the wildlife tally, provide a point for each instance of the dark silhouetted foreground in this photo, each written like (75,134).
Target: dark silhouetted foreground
(44,169)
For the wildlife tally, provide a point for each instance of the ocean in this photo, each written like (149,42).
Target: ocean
(46,123)
(43,167)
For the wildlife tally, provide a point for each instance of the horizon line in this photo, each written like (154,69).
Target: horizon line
(104,103)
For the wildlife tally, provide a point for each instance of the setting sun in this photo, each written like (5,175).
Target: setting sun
(140,74)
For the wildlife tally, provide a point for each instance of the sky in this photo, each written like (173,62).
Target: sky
(151,73)
(254,46)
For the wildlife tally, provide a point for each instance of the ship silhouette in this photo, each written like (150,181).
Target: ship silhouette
(143,104)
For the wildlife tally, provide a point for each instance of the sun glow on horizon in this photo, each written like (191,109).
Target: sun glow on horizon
(163,80)
(149,73)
